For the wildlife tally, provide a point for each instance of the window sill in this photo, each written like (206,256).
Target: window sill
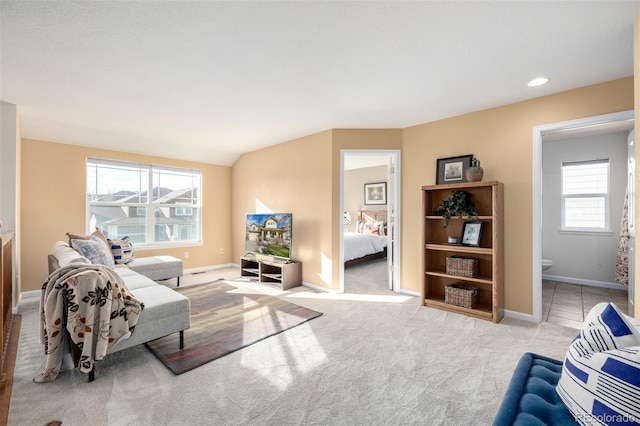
(603,233)
(165,246)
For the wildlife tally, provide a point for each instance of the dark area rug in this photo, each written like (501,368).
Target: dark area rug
(225,318)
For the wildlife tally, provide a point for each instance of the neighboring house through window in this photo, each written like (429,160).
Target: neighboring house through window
(585,195)
(152,204)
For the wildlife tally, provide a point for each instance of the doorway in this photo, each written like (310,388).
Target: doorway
(584,127)
(362,213)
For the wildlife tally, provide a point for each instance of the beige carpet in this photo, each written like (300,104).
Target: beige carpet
(371,359)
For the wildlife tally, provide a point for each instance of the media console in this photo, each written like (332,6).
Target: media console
(280,273)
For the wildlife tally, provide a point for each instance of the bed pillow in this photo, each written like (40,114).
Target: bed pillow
(95,250)
(371,229)
(601,372)
(381,228)
(122,250)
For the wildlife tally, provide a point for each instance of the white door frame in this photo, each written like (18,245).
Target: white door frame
(538,132)
(391,192)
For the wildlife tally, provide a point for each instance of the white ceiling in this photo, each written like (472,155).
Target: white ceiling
(210,80)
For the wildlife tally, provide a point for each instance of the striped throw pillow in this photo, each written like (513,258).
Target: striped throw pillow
(600,381)
(122,250)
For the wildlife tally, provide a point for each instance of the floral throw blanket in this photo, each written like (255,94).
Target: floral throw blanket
(98,311)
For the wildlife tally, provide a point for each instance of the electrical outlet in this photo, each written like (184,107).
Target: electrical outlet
(221,251)
(186,254)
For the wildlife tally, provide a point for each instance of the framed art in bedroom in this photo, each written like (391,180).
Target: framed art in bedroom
(375,193)
(452,169)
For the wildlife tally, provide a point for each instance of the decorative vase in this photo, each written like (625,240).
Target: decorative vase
(475,172)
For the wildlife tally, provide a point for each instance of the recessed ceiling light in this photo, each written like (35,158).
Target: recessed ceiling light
(538,81)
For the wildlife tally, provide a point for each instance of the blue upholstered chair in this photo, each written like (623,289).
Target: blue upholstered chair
(531,398)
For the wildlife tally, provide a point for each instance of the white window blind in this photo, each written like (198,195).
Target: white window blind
(151,204)
(585,195)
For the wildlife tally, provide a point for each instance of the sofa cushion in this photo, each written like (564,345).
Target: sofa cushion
(97,233)
(601,372)
(132,279)
(122,250)
(66,255)
(165,312)
(95,250)
(157,267)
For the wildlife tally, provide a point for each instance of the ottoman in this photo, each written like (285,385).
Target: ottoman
(157,267)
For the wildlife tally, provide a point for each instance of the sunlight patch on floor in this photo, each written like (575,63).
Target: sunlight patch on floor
(293,356)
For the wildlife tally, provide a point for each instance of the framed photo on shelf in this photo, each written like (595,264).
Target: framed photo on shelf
(471,234)
(452,169)
(375,193)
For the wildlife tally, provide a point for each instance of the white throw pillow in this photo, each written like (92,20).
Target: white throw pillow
(600,381)
(95,250)
(122,250)
(66,255)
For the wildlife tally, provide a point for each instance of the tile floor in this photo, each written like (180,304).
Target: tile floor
(568,304)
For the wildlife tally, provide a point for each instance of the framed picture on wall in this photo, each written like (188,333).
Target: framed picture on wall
(452,169)
(375,193)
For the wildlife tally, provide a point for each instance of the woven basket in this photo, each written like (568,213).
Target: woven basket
(463,267)
(461,295)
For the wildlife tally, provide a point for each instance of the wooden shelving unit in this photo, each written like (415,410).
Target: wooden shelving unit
(279,273)
(6,298)
(488,198)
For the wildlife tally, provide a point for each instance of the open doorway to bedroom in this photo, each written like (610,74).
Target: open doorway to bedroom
(369,241)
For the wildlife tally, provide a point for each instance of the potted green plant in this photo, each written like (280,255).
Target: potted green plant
(459,203)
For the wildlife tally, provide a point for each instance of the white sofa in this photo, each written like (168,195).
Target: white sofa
(165,310)
(158,268)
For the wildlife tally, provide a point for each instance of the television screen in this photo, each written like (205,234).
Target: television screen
(269,234)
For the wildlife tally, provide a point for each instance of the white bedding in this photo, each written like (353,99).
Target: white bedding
(359,245)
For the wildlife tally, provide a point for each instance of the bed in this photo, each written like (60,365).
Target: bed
(369,242)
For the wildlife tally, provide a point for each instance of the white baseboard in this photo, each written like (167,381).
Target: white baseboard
(27,294)
(210,268)
(581,281)
(518,315)
(319,288)
(410,293)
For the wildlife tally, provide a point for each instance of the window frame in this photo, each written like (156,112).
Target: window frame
(606,196)
(154,202)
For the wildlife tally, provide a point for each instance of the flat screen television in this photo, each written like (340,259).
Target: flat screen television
(269,234)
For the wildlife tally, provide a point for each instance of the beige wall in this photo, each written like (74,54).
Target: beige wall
(636,92)
(502,139)
(291,177)
(53,203)
(303,177)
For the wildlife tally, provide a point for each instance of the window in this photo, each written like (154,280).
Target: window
(585,195)
(153,205)
(184,211)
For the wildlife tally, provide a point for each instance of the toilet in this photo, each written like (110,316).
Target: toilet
(546,264)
